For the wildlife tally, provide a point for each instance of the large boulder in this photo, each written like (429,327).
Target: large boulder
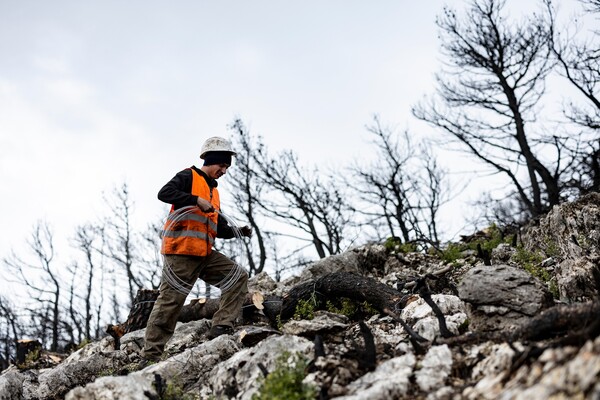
(501,297)
(184,370)
(570,234)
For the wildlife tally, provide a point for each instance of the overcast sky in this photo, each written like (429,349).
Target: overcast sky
(93,94)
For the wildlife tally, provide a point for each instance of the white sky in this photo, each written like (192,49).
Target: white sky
(95,93)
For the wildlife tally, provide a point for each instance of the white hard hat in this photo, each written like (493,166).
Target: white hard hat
(216,143)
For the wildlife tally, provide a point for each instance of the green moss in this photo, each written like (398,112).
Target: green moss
(351,308)
(285,382)
(83,343)
(173,390)
(107,372)
(532,263)
(305,309)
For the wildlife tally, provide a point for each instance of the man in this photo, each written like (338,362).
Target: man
(188,237)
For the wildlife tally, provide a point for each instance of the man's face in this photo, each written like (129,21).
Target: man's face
(216,171)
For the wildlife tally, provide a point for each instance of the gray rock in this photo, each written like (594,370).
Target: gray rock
(365,258)
(134,387)
(322,322)
(185,370)
(570,232)
(262,283)
(54,383)
(11,384)
(195,364)
(501,297)
(435,368)
(250,335)
(502,253)
(420,315)
(239,376)
(575,279)
(561,373)
(105,345)
(390,380)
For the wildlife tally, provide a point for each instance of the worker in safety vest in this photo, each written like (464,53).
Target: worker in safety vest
(188,236)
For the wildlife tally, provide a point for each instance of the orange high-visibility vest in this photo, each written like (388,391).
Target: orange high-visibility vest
(194,233)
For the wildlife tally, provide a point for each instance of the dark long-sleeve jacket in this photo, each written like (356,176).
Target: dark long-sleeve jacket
(178,192)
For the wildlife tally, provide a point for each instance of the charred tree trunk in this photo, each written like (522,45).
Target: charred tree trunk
(343,284)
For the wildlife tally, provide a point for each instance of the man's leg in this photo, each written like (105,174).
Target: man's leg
(163,318)
(213,270)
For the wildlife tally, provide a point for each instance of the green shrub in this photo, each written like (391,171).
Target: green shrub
(493,238)
(551,248)
(553,288)
(452,252)
(285,382)
(394,244)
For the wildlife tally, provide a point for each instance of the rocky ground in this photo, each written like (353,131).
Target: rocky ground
(513,317)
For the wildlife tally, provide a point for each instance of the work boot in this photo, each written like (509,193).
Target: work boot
(218,330)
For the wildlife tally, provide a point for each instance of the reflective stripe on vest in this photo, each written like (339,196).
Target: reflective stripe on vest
(194,233)
(198,218)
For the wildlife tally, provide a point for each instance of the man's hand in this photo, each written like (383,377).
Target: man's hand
(205,205)
(246,231)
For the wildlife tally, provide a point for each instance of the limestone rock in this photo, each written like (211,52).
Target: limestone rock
(390,380)
(114,388)
(422,319)
(357,260)
(322,322)
(11,384)
(251,335)
(562,373)
(435,369)
(502,253)
(262,283)
(238,377)
(570,232)
(185,369)
(575,279)
(501,297)
(55,382)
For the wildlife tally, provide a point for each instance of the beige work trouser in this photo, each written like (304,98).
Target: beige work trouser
(211,269)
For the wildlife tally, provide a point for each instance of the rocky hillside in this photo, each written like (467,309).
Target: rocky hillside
(499,316)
